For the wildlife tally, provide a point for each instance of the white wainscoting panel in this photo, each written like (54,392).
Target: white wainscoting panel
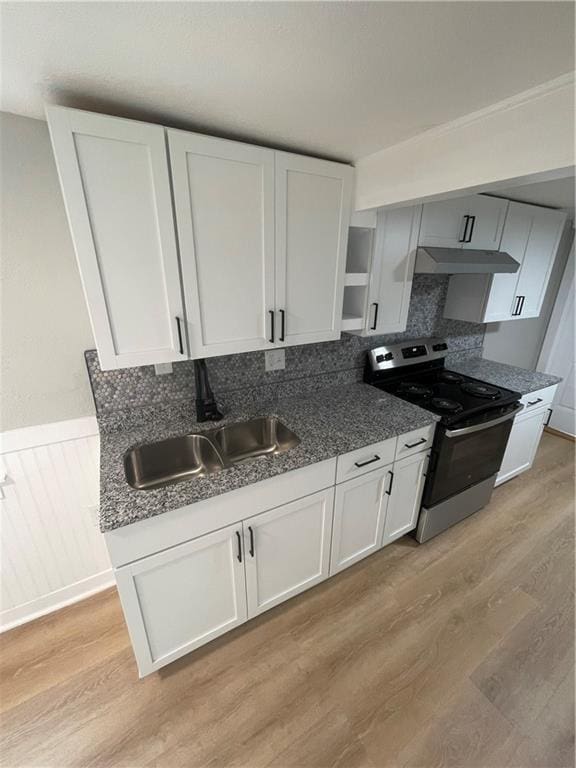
(52,552)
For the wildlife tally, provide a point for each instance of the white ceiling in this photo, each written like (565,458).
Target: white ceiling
(556,194)
(338,79)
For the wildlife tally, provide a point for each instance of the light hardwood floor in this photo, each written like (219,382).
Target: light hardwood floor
(456,653)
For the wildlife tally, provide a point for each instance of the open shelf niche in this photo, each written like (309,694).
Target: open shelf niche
(358,265)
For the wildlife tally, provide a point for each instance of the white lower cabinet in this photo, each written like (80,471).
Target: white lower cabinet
(405,491)
(287,550)
(181,598)
(189,593)
(376,508)
(526,433)
(359,514)
(522,444)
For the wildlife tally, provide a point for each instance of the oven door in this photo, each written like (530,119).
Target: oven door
(464,456)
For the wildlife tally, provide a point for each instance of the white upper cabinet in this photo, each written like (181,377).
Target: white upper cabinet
(486,222)
(392,269)
(466,222)
(116,187)
(224,203)
(443,224)
(192,246)
(312,216)
(379,270)
(531,236)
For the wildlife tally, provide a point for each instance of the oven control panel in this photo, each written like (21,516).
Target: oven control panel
(409,353)
(417,351)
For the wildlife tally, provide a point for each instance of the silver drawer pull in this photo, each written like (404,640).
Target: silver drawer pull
(418,442)
(365,463)
(533,402)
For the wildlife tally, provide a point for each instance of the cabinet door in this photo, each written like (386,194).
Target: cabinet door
(531,236)
(312,216)
(224,201)
(115,181)
(540,251)
(502,300)
(393,269)
(183,597)
(405,491)
(522,444)
(287,550)
(443,223)
(359,512)
(485,229)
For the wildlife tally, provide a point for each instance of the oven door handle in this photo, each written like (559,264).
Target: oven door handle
(484,425)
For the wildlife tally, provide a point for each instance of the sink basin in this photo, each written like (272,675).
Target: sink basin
(265,436)
(196,455)
(169,461)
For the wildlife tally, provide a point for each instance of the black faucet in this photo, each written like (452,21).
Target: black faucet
(206,408)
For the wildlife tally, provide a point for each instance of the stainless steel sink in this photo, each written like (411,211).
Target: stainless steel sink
(169,461)
(196,455)
(265,436)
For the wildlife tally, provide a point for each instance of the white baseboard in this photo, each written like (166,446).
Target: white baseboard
(72,593)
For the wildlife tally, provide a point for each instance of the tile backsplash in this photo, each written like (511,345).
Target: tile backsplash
(308,368)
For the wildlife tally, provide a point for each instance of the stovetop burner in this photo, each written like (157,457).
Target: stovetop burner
(479,389)
(446,405)
(450,377)
(414,389)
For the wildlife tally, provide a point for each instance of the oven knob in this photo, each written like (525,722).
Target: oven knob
(379,358)
(388,356)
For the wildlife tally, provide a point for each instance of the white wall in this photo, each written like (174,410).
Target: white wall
(527,135)
(558,353)
(44,323)
(518,342)
(51,551)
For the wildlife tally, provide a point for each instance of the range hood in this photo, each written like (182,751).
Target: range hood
(457,261)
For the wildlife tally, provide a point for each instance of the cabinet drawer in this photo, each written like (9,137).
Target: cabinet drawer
(415,441)
(538,399)
(366,459)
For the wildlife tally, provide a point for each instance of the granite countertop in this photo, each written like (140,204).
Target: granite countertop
(329,423)
(502,375)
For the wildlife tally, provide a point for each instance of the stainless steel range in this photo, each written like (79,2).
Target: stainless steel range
(471,437)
